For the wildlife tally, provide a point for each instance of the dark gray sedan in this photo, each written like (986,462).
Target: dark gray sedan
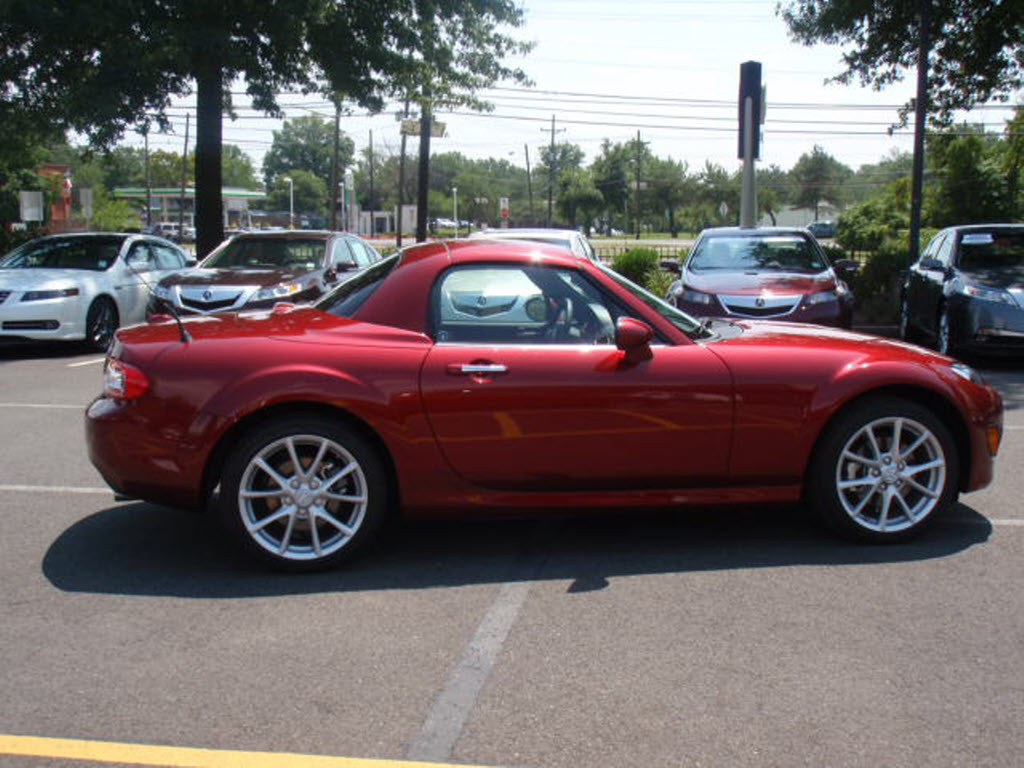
(966,292)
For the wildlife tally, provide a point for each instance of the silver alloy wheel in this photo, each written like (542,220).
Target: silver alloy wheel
(891,474)
(302,497)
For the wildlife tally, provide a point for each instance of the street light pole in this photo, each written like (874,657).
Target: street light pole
(291,202)
(455,209)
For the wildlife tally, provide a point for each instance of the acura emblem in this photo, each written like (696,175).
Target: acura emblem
(759,302)
(208,294)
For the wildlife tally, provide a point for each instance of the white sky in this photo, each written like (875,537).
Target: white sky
(668,68)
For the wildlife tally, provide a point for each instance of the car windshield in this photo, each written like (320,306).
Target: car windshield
(348,297)
(992,251)
(268,253)
(90,253)
(773,253)
(680,320)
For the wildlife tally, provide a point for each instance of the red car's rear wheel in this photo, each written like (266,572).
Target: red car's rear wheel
(302,494)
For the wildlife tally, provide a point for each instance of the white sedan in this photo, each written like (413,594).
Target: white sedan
(82,285)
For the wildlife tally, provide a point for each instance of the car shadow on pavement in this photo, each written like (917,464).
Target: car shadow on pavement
(43,350)
(142,549)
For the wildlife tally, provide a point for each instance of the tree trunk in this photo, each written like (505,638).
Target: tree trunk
(209,138)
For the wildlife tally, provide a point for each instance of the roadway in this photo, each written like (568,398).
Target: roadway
(743,638)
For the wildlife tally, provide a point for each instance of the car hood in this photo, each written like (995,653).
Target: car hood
(754,283)
(28,279)
(215,276)
(996,278)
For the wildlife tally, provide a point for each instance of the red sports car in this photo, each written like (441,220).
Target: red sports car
(485,377)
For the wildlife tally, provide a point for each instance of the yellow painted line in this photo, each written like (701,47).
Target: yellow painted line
(186,757)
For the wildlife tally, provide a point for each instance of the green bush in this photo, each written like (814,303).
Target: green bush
(635,263)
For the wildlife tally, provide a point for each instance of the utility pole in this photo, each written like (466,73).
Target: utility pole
(334,163)
(371,201)
(639,157)
(423,182)
(920,116)
(551,168)
(149,181)
(529,184)
(401,181)
(751,114)
(184,180)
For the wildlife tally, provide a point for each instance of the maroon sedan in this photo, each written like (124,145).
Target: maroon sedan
(485,377)
(765,273)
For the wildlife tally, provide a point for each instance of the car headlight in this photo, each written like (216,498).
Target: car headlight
(278,291)
(58,293)
(987,294)
(696,297)
(822,296)
(162,292)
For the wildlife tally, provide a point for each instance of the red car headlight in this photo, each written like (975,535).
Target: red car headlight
(122,381)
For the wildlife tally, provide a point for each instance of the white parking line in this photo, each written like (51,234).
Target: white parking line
(93,361)
(56,489)
(65,406)
(451,708)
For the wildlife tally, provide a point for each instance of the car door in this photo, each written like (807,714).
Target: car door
(525,390)
(137,276)
(922,290)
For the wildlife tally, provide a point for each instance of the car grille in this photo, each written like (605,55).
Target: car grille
(209,306)
(4,295)
(759,306)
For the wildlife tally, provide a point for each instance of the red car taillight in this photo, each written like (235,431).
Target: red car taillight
(122,381)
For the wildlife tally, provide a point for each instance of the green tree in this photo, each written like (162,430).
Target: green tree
(561,158)
(309,193)
(306,143)
(978,45)
(817,177)
(610,171)
(578,199)
(968,186)
(98,66)
(668,187)
(238,168)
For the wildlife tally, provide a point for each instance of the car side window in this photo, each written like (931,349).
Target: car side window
(359,252)
(140,258)
(371,255)
(168,258)
(945,250)
(341,253)
(496,304)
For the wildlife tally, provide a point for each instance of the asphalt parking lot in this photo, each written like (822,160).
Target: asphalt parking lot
(746,638)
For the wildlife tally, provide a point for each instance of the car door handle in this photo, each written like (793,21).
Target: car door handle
(476,369)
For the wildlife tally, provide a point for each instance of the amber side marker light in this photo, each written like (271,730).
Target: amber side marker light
(992,436)
(122,381)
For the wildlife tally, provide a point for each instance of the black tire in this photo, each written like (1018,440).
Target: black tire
(273,522)
(885,495)
(944,333)
(100,323)
(906,332)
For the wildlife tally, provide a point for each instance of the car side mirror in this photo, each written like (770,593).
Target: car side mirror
(330,275)
(191,262)
(932,265)
(634,338)
(846,267)
(671,265)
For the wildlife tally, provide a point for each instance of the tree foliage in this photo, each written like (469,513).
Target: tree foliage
(818,177)
(101,66)
(306,143)
(978,45)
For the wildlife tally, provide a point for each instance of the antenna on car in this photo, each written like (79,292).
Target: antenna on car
(183,334)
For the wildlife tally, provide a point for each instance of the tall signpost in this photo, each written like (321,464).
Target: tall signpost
(751,114)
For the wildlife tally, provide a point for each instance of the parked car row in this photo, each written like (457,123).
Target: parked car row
(84,286)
